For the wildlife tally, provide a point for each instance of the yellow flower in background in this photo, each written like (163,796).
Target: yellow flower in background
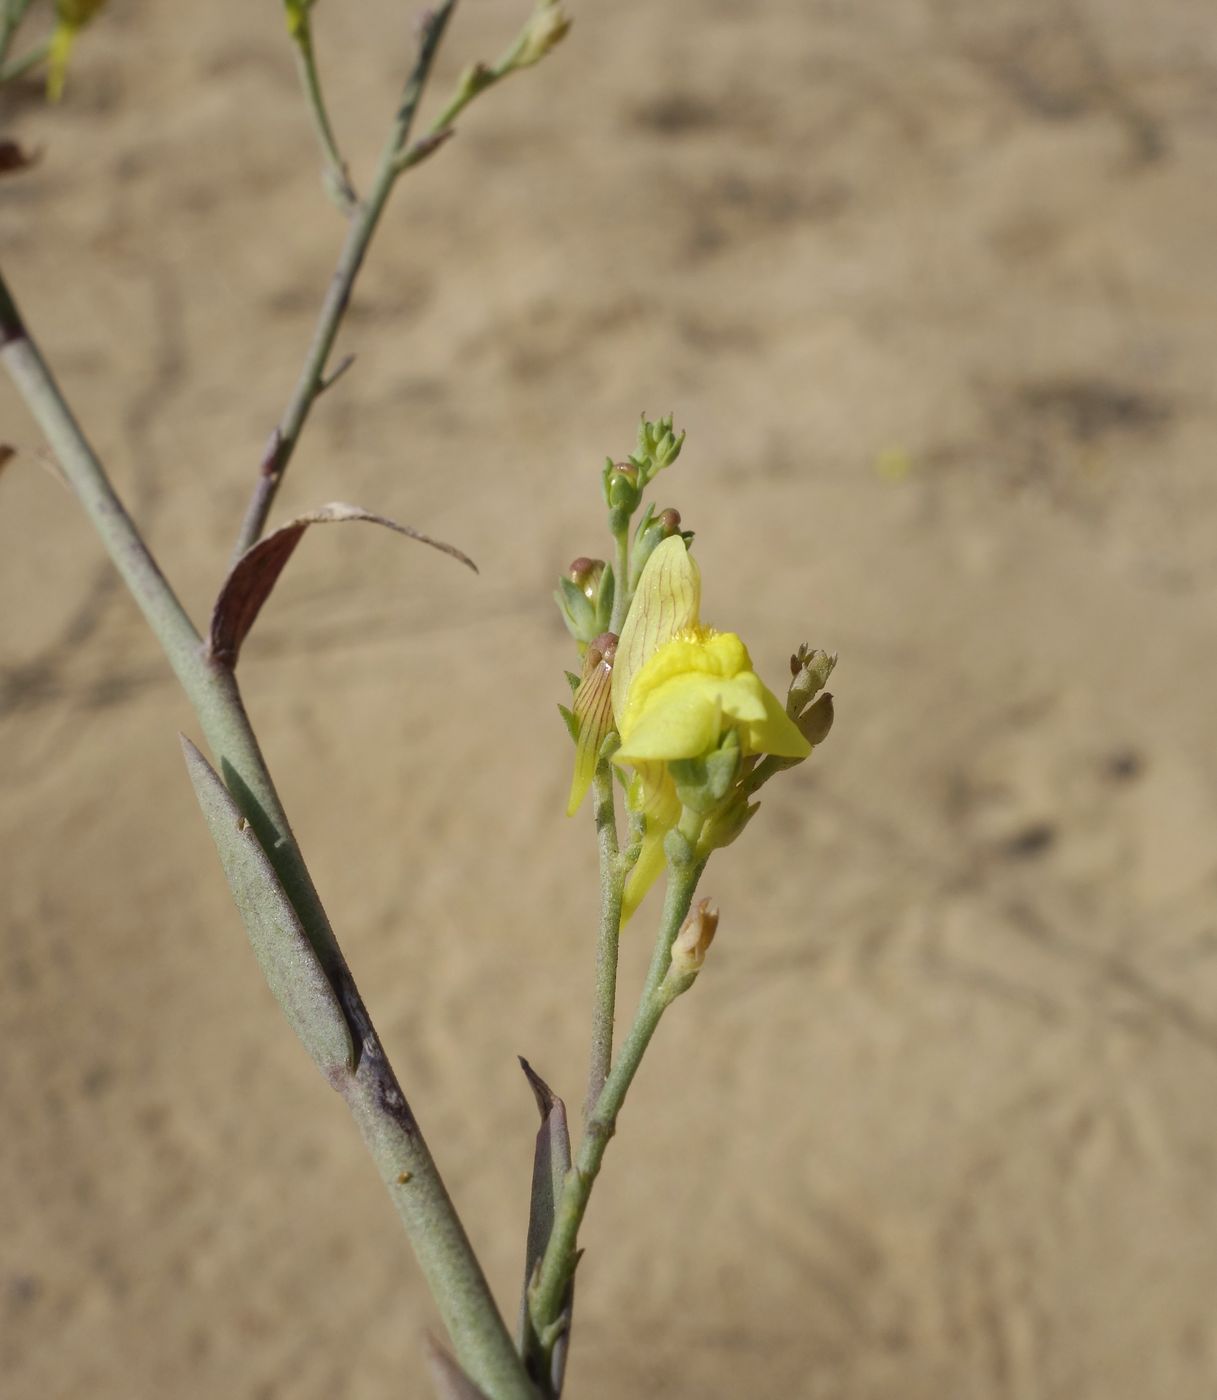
(71,16)
(678,690)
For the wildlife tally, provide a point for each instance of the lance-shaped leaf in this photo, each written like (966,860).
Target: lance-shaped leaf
(280,944)
(257,571)
(450,1382)
(550,1164)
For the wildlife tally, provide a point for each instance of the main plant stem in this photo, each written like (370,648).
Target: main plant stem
(558,1263)
(371,1089)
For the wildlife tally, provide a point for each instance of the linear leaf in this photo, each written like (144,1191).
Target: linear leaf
(550,1164)
(280,944)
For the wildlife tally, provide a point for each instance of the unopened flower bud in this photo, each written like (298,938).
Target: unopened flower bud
(651,532)
(585,574)
(695,936)
(726,823)
(604,648)
(815,722)
(658,445)
(622,487)
(585,599)
(811,670)
(546,27)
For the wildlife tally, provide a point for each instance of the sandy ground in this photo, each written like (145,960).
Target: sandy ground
(932,287)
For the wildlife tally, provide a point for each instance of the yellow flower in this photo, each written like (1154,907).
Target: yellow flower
(678,690)
(71,16)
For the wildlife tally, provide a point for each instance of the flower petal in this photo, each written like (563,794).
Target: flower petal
(646,871)
(666,602)
(777,733)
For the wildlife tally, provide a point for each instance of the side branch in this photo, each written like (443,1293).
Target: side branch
(337,298)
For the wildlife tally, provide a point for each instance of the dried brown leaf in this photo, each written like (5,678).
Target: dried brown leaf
(255,574)
(13,158)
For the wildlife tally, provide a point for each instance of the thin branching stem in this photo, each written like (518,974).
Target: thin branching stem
(19,67)
(338,180)
(11,14)
(364,221)
(371,1089)
(547,1295)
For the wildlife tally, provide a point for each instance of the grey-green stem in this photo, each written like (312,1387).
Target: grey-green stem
(363,225)
(371,1089)
(621,576)
(612,884)
(338,181)
(558,1263)
(19,67)
(11,16)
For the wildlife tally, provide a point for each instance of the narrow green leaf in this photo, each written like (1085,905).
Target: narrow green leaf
(572,724)
(550,1164)
(280,944)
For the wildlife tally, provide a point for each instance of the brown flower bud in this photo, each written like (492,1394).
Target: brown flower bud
(585,574)
(695,936)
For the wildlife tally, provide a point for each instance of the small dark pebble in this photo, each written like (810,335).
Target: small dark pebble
(1030,842)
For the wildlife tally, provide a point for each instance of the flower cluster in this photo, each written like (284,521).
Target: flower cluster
(672,702)
(689,708)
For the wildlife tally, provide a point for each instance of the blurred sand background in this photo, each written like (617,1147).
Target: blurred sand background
(932,287)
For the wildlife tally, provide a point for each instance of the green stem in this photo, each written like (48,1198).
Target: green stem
(558,1263)
(338,295)
(612,886)
(621,579)
(339,181)
(21,66)
(371,1090)
(10,21)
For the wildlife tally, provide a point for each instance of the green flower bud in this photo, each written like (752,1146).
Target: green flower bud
(585,574)
(652,531)
(726,823)
(585,599)
(811,670)
(623,485)
(815,722)
(658,446)
(546,27)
